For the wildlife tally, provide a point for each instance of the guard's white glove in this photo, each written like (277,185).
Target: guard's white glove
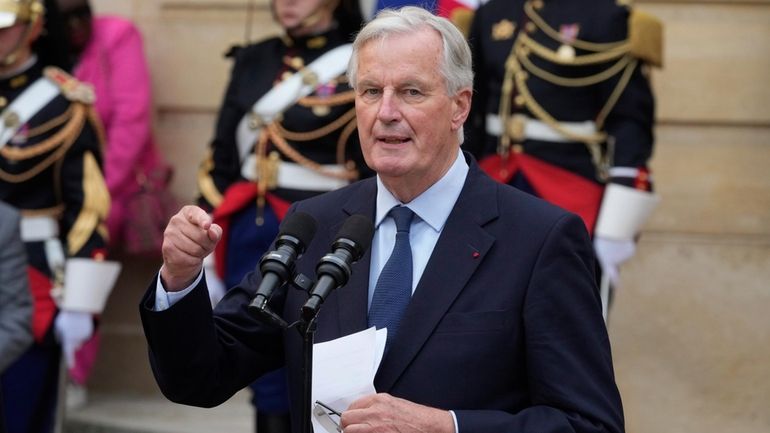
(215,285)
(611,254)
(73,328)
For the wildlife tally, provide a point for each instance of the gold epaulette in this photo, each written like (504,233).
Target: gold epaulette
(462,19)
(645,34)
(72,89)
(206,186)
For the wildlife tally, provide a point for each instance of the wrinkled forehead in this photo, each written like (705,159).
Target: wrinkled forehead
(421,39)
(401,60)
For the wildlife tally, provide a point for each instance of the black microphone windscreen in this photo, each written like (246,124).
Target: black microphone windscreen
(300,225)
(358,229)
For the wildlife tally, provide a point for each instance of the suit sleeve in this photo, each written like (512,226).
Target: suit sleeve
(569,364)
(15,297)
(630,122)
(202,359)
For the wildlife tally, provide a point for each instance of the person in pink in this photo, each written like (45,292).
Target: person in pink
(107,52)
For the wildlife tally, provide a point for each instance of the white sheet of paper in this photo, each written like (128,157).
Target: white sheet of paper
(344,369)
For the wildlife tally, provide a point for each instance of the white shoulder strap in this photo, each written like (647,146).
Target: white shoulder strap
(26,105)
(285,94)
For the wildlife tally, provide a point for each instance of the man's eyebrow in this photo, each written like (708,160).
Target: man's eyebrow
(366,82)
(414,82)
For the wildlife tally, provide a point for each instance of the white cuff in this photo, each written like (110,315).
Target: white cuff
(624,211)
(165,300)
(88,283)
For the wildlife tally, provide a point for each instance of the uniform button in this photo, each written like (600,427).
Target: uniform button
(297,62)
(530,27)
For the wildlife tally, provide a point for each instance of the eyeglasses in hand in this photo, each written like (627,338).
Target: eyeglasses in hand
(327,417)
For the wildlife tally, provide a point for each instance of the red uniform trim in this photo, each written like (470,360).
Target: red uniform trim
(551,183)
(642,180)
(446,7)
(44,308)
(237,196)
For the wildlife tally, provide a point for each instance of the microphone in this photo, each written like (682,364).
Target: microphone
(277,266)
(333,270)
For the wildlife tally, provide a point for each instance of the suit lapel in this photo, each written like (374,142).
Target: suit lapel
(460,249)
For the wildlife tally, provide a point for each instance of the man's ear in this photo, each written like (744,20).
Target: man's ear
(36,30)
(461,107)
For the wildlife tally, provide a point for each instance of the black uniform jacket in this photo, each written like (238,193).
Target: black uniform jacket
(560,89)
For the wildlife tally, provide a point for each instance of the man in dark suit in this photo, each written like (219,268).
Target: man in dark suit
(503,329)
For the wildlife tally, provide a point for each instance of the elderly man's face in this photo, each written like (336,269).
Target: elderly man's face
(406,121)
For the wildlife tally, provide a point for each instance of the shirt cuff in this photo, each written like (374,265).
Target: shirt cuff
(454,418)
(165,300)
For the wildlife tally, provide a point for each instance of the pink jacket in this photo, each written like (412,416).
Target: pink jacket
(114,63)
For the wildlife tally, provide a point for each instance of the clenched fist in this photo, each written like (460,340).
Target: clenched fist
(189,237)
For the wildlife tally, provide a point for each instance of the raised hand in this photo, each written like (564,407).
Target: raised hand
(189,237)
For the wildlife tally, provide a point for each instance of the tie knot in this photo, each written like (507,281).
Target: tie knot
(403,217)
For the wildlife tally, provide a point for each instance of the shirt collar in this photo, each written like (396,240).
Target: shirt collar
(24,67)
(432,206)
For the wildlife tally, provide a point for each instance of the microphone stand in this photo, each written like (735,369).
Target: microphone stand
(307,329)
(306,326)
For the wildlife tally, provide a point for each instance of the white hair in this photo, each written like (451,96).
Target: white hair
(456,66)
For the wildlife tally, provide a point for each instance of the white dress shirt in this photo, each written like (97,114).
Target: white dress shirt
(432,208)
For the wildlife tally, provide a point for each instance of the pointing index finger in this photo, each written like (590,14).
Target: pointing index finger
(198,217)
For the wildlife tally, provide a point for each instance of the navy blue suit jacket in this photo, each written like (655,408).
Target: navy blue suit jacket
(504,326)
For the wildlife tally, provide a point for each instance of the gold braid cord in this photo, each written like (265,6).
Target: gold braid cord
(318,133)
(54,212)
(52,123)
(275,133)
(344,136)
(265,175)
(96,205)
(278,140)
(74,117)
(336,99)
(553,34)
(60,143)
(96,123)
(206,185)
(519,66)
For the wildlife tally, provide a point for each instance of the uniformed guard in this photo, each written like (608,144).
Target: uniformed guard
(50,153)
(563,108)
(286,131)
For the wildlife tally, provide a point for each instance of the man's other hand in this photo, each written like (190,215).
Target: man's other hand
(384,413)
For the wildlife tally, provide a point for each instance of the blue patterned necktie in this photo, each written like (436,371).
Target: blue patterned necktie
(394,286)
